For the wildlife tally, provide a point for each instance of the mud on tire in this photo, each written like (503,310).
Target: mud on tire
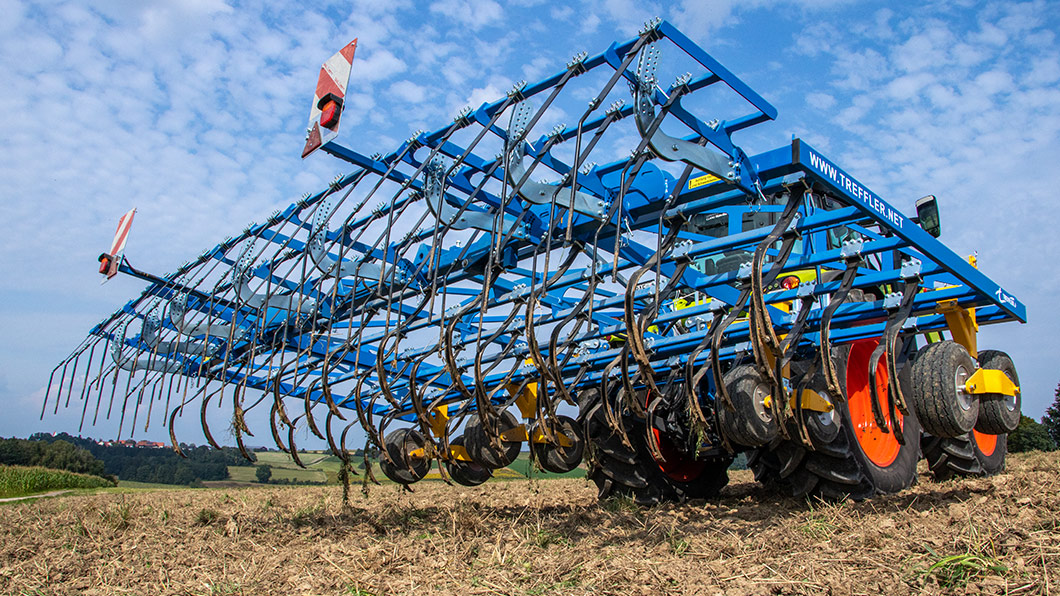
(972,455)
(619,470)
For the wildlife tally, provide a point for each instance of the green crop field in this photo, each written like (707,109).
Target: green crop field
(17,481)
(324,466)
(148,485)
(294,473)
(525,468)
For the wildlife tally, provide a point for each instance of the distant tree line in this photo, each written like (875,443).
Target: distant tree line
(1034,436)
(1051,420)
(57,455)
(162,466)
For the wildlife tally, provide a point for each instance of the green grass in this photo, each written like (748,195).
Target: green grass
(956,571)
(148,485)
(18,481)
(523,466)
(249,474)
(325,466)
(311,459)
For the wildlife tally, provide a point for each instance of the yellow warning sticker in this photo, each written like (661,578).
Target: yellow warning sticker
(702,181)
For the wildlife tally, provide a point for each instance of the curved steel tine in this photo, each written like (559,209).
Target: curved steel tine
(290,443)
(308,410)
(275,431)
(202,416)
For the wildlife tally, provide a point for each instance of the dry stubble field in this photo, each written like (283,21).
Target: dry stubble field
(996,535)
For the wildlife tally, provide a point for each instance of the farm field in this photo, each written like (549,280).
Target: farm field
(325,467)
(997,535)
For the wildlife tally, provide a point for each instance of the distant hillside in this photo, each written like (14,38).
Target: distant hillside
(148,463)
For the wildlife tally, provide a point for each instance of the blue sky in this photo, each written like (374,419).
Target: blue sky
(194,111)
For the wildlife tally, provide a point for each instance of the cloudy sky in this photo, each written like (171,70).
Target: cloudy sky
(193,111)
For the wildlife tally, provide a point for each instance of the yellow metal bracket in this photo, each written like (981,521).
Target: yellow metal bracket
(527,400)
(519,435)
(962,324)
(515,434)
(439,419)
(987,380)
(456,452)
(811,400)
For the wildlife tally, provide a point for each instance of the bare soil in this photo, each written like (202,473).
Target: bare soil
(997,535)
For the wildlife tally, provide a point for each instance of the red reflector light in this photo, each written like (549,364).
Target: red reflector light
(104,263)
(790,282)
(329,114)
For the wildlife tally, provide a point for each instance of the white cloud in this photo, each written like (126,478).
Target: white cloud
(474,13)
(481,95)
(821,101)
(408,91)
(378,65)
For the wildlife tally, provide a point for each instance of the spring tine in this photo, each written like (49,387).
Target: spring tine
(47,392)
(290,443)
(173,433)
(136,406)
(169,392)
(308,411)
(87,375)
(59,390)
(275,431)
(124,403)
(99,391)
(150,404)
(202,416)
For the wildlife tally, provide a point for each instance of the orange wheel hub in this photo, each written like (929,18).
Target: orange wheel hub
(879,446)
(986,443)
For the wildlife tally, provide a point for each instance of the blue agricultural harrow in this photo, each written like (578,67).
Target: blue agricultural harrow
(629,291)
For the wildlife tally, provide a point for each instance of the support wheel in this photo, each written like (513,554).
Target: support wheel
(974,455)
(631,471)
(751,423)
(466,473)
(480,447)
(999,414)
(399,445)
(851,456)
(940,371)
(557,458)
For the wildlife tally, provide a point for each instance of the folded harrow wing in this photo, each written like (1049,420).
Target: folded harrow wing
(630,289)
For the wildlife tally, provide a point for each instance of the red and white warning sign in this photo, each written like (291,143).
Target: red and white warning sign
(109,261)
(327,102)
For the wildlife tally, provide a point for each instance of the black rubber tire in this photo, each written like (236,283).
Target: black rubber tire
(619,470)
(934,394)
(466,473)
(559,459)
(751,423)
(837,467)
(961,457)
(404,470)
(999,414)
(481,449)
